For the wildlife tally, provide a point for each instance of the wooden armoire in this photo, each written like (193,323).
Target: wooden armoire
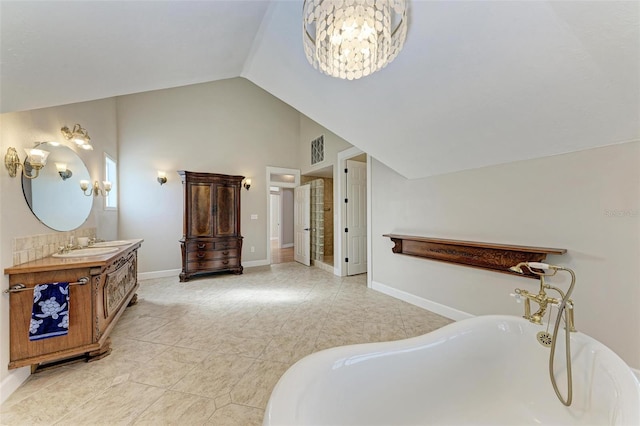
(211,239)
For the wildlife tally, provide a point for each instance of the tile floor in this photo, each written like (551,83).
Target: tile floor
(208,352)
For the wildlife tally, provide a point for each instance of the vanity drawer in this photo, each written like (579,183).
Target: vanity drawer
(213,264)
(211,255)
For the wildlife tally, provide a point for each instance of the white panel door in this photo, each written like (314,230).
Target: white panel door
(302,224)
(356,208)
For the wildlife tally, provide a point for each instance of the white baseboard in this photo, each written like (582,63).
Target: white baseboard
(438,308)
(175,272)
(287,245)
(158,274)
(253,263)
(13,382)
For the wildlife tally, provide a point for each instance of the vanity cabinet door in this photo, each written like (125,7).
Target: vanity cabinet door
(26,352)
(114,288)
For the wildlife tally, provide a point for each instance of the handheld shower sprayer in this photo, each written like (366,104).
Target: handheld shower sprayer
(537,265)
(546,270)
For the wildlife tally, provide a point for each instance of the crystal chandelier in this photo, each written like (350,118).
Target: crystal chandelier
(350,39)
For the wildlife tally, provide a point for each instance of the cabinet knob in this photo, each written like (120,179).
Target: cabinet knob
(201,245)
(225,262)
(200,255)
(225,253)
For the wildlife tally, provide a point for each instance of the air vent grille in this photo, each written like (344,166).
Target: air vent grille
(317,150)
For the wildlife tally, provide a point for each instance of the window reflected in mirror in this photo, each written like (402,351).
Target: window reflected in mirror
(111,175)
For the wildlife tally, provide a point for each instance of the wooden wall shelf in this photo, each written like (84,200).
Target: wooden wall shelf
(494,257)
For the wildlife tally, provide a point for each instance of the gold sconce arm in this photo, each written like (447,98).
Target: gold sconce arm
(79,135)
(36,160)
(95,190)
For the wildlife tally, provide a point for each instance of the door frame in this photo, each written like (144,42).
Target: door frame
(296,182)
(339,194)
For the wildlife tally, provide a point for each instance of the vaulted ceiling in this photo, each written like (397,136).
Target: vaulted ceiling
(478,82)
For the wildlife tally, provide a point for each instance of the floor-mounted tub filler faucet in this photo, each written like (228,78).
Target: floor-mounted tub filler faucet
(565,306)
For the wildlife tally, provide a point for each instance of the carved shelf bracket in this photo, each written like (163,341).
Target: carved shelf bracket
(494,257)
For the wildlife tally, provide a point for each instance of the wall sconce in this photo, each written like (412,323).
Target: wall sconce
(79,135)
(36,160)
(95,190)
(63,171)
(162,178)
(247,184)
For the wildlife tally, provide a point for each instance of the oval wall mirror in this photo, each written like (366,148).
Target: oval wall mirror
(55,198)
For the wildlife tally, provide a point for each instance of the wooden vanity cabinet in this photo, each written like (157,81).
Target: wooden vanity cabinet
(211,233)
(102,288)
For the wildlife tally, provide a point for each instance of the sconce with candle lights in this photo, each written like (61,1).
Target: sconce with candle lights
(95,190)
(162,178)
(36,160)
(79,135)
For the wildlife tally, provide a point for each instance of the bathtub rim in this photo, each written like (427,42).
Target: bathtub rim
(305,367)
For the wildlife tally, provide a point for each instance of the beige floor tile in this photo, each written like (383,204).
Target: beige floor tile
(161,372)
(176,408)
(255,387)
(170,335)
(51,403)
(235,345)
(236,415)
(184,355)
(215,376)
(35,383)
(383,332)
(117,405)
(139,326)
(289,349)
(110,366)
(209,351)
(137,350)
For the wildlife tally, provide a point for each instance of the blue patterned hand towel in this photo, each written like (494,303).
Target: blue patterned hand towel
(50,313)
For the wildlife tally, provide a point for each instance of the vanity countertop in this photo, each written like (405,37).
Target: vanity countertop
(59,263)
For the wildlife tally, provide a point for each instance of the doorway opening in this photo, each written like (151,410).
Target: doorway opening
(280,235)
(281,224)
(322,214)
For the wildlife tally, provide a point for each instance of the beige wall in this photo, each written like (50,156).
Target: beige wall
(230,127)
(587,202)
(310,130)
(20,130)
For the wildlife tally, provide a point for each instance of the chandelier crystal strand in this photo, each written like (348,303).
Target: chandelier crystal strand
(350,39)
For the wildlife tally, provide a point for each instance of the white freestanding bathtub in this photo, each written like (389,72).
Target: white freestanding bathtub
(488,370)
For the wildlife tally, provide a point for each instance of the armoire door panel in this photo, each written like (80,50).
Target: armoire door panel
(201,210)
(225,217)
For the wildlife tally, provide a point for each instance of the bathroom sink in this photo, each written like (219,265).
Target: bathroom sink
(114,243)
(87,252)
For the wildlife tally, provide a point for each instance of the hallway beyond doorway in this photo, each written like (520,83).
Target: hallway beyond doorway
(280,255)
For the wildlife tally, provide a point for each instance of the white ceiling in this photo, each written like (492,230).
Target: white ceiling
(478,82)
